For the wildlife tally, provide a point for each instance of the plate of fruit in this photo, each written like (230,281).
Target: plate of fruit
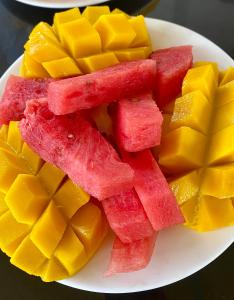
(116,150)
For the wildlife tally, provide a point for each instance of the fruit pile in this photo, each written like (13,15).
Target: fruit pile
(76,152)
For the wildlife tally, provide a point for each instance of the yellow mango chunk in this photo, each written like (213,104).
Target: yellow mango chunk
(222,146)
(192,110)
(34,161)
(133,53)
(32,69)
(224,116)
(186,187)
(207,63)
(227,76)
(43,28)
(53,270)
(80,38)
(214,213)
(48,231)
(50,177)
(71,252)
(115,31)
(92,13)
(225,94)
(88,225)
(41,48)
(12,233)
(63,67)
(218,181)
(177,150)
(188,209)
(27,257)
(76,195)
(201,78)
(96,62)
(3,206)
(3,132)
(28,204)
(142,36)
(14,136)
(102,119)
(119,11)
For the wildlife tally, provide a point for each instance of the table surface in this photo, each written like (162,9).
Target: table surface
(211,18)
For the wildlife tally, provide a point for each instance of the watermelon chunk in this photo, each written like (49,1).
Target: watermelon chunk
(138,123)
(72,144)
(17,91)
(153,190)
(172,65)
(127,217)
(132,256)
(105,86)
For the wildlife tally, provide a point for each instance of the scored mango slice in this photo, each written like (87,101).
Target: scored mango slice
(197,149)
(47,225)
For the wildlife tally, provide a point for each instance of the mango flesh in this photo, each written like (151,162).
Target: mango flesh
(47,225)
(197,149)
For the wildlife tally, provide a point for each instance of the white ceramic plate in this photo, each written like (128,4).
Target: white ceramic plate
(179,252)
(61,3)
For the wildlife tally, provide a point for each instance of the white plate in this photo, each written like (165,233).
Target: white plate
(61,3)
(179,252)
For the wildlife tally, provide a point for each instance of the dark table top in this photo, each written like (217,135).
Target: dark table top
(212,18)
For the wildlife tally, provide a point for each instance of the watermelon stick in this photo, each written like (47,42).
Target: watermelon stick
(132,256)
(105,86)
(153,190)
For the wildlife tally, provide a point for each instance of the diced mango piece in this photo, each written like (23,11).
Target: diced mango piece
(71,252)
(26,199)
(42,48)
(192,110)
(214,213)
(32,69)
(221,75)
(119,11)
(53,270)
(12,233)
(218,181)
(88,225)
(63,67)
(50,177)
(222,146)
(33,159)
(186,187)
(3,132)
(3,206)
(133,53)
(201,78)
(227,76)
(10,167)
(177,147)
(14,137)
(81,38)
(225,93)
(76,195)
(211,63)
(188,209)
(92,13)
(96,62)
(224,116)
(102,119)
(28,257)
(48,231)
(142,37)
(43,28)
(115,31)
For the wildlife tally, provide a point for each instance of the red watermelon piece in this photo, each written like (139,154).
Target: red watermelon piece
(138,123)
(132,256)
(73,145)
(17,92)
(153,190)
(105,86)
(127,217)
(172,65)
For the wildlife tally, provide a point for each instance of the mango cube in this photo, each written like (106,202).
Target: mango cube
(14,136)
(225,94)
(177,147)
(80,38)
(224,116)
(3,206)
(33,160)
(3,132)
(63,67)
(53,270)
(133,53)
(43,28)
(115,31)
(192,110)
(119,11)
(102,119)
(188,209)
(48,231)
(96,62)
(77,198)
(227,76)
(142,37)
(208,63)
(32,69)
(92,13)
(201,78)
